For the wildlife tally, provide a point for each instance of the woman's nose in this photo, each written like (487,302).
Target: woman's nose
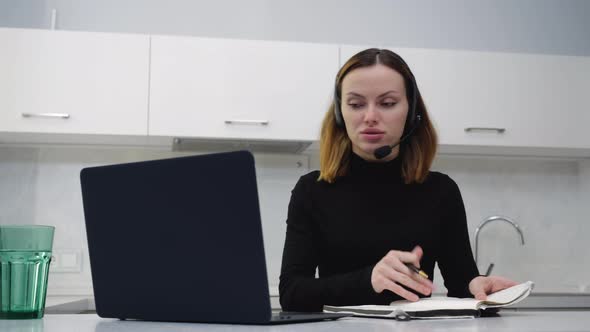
(371,114)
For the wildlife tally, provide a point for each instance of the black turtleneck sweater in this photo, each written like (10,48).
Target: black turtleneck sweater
(343,229)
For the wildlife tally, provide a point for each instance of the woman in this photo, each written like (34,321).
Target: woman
(374,208)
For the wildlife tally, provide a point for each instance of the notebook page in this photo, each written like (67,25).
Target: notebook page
(510,295)
(436,303)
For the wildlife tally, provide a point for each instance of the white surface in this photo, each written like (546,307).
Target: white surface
(508,321)
(539,99)
(545,301)
(539,26)
(197,84)
(99,79)
(51,301)
(548,201)
(42,186)
(502,298)
(547,198)
(66,260)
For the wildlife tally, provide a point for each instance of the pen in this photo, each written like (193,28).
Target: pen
(417,270)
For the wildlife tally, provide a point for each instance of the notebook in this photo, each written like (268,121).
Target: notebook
(439,307)
(180,239)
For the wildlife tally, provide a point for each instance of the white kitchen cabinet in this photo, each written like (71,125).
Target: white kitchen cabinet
(522,100)
(239,89)
(57,83)
(73,82)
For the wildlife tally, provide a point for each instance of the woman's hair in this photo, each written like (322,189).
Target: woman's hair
(417,151)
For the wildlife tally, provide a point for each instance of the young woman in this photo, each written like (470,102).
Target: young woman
(374,208)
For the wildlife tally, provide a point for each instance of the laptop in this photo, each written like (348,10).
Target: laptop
(180,239)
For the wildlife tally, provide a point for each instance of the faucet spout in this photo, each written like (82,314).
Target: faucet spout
(494,218)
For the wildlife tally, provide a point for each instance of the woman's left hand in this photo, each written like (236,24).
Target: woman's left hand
(482,286)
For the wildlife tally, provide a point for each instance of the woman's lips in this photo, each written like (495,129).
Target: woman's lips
(372,136)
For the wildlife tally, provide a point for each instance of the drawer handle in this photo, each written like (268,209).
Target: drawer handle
(249,122)
(498,130)
(46,115)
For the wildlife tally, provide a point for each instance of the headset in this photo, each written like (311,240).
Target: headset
(412,120)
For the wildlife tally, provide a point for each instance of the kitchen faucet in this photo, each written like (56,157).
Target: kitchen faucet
(490,219)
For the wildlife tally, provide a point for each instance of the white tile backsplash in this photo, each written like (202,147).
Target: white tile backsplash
(18,174)
(42,186)
(545,198)
(549,199)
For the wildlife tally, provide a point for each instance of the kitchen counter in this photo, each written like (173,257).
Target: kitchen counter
(520,321)
(554,301)
(536,301)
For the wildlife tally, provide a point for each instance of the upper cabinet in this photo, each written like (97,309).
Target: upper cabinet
(220,88)
(104,85)
(73,82)
(504,99)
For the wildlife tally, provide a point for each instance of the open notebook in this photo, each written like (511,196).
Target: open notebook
(439,307)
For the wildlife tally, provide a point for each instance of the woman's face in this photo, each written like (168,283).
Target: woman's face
(374,107)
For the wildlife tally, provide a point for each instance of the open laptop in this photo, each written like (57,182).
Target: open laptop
(180,239)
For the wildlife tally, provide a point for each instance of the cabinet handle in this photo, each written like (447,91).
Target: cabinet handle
(498,130)
(250,122)
(46,115)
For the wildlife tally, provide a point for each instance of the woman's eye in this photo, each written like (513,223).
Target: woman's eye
(355,106)
(388,104)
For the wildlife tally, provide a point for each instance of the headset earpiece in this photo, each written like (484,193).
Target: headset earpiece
(337,111)
(413,119)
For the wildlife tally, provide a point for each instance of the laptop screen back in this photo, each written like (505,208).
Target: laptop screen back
(177,239)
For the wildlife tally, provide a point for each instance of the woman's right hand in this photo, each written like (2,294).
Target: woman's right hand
(391,272)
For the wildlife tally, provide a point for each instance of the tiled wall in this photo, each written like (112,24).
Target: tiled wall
(547,198)
(41,186)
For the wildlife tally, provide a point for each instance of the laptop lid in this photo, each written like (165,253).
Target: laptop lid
(177,239)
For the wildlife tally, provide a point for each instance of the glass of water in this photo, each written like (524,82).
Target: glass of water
(25,253)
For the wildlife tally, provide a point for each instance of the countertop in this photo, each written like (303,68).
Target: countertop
(521,321)
(544,301)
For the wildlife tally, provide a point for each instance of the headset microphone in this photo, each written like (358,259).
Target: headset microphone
(385,150)
(413,118)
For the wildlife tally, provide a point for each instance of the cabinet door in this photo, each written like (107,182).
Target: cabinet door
(502,99)
(73,82)
(221,88)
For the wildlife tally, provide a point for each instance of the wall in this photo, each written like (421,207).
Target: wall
(583,221)
(548,198)
(545,198)
(42,186)
(536,26)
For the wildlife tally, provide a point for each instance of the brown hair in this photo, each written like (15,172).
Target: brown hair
(335,145)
